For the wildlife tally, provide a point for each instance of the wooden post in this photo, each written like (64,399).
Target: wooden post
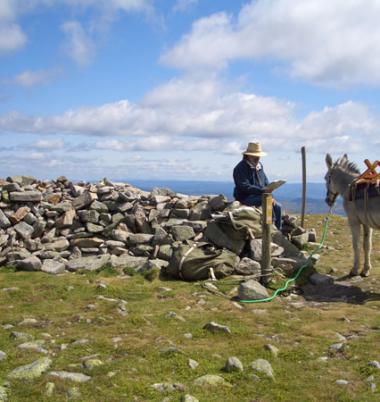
(303,152)
(266,268)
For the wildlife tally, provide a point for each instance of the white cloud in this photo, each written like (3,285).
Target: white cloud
(30,78)
(49,144)
(11,35)
(329,42)
(184,5)
(188,115)
(79,46)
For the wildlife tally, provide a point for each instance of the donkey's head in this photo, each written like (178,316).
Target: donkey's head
(331,178)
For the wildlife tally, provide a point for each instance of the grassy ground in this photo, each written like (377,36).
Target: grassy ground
(137,349)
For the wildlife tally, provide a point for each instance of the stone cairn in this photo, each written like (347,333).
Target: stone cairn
(56,226)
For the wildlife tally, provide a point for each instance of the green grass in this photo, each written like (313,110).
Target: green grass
(138,359)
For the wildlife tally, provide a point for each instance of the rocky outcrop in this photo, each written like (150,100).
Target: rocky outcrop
(57,226)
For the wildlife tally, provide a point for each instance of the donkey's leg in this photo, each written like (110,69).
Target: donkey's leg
(355,230)
(367,242)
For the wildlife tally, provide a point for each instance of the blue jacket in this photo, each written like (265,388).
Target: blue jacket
(248,181)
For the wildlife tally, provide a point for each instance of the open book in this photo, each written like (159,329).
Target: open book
(274,185)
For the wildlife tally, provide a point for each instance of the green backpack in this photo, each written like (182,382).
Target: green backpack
(233,228)
(192,262)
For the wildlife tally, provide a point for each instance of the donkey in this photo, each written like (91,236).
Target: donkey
(360,212)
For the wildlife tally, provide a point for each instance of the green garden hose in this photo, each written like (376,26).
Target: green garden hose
(306,264)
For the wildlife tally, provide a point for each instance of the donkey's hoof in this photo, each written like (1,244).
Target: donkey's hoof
(364,274)
(353,273)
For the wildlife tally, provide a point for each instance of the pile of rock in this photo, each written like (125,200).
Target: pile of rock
(57,225)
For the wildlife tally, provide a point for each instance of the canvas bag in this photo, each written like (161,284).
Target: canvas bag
(192,262)
(233,228)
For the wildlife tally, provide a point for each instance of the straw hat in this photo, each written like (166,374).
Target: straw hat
(254,149)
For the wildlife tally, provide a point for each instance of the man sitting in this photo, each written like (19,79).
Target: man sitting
(250,181)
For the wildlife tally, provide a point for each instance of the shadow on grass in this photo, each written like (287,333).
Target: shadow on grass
(338,292)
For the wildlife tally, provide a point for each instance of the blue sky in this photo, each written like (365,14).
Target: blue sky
(175,89)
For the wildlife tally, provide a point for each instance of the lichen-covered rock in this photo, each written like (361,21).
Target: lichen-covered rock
(252,290)
(31,371)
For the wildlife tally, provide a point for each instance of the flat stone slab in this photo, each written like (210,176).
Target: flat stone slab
(211,380)
(91,263)
(30,371)
(252,290)
(66,375)
(53,267)
(25,196)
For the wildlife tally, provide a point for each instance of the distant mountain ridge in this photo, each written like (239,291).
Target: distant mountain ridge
(290,194)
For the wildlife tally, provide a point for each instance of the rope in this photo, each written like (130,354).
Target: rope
(306,264)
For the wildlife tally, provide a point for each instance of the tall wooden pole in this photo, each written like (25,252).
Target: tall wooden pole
(303,152)
(266,266)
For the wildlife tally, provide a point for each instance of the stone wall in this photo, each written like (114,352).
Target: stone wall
(57,225)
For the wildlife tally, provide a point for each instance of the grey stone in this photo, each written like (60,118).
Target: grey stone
(25,196)
(211,380)
(375,364)
(189,398)
(61,207)
(3,355)
(35,346)
(67,219)
(30,371)
(168,387)
(90,263)
(53,267)
(12,187)
(3,394)
(139,238)
(165,252)
(233,364)
(3,240)
(252,290)
(218,203)
(84,200)
(93,228)
(99,206)
(216,328)
(29,264)
(24,230)
(256,249)
(161,236)
(142,250)
(127,261)
(301,240)
(89,216)
(193,364)
(22,180)
(88,242)
(21,336)
(182,233)
(247,266)
(201,211)
(90,364)
(290,250)
(158,191)
(4,221)
(272,349)
(263,366)
(180,213)
(66,375)
(342,382)
(319,279)
(58,245)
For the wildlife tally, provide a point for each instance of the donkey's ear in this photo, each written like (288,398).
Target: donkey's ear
(345,157)
(329,161)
